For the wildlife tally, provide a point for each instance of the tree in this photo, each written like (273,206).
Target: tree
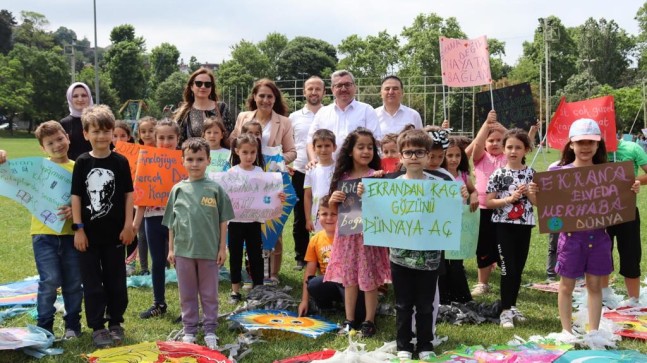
(109,95)
(16,90)
(255,62)
(64,36)
(272,47)
(375,56)
(420,55)
(304,57)
(125,66)
(7,22)
(641,17)
(235,84)
(580,86)
(126,32)
(164,61)
(628,103)
(194,65)
(498,68)
(31,31)
(169,91)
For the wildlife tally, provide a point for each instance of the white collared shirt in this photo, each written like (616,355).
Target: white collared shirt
(343,122)
(301,121)
(402,117)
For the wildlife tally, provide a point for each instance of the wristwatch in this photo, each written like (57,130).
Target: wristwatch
(77,226)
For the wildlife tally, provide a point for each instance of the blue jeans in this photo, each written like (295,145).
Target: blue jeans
(157,238)
(58,265)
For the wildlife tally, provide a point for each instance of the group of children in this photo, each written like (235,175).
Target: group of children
(198,224)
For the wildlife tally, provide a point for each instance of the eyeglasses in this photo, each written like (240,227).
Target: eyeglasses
(419,153)
(199,84)
(343,85)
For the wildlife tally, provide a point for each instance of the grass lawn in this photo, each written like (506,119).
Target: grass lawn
(18,263)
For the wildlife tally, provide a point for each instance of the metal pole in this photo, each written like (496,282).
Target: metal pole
(473,110)
(547,93)
(96,57)
(541,125)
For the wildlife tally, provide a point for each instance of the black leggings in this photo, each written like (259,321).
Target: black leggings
(514,243)
(249,235)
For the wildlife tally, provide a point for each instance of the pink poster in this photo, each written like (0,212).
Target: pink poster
(465,62)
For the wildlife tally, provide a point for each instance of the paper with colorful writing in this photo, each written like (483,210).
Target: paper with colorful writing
(254,196)
(465,62)
(602,356)
(39,185)
(158,170)
(219,161)
(632,321)
(585,198)
(157,352)
(418,215)
(310,326)
(272,229)
(349,220)
(469,235)
(131,152)
(601,109)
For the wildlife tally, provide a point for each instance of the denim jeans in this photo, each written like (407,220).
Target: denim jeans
(157,238)
(58,265)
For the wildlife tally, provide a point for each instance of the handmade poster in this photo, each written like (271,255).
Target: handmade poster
(602,356)
(219,161)
(465,62)
(254,197)
(585,198)
(627,137)
(32,340)
(529,352)
(601,109)
(158,170)
(418,215)
(273,158)
(514,106)
(157,352)
(131,152)
(39,185)
(308,357)
(553,286)
(349,214)
(389,165)
(310,326)
(19,293)
(273,228)
(633,322)
(469,235)
(462,354)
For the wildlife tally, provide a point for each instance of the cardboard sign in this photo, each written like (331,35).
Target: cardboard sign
(465,62)
(254,196)
(349,220)
(601,109)
(219,161)
(585,198)
(418,215)
(39,185)
(514,106)
(158,170)
(389,165)
(469,235)
(131,152)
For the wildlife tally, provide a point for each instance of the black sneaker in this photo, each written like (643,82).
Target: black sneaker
(235,298)
(368,329)
(155,310)
(101,338)
(346,327)
(117,334)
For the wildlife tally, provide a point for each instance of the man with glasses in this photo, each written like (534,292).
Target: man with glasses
(393,116)
(345,114)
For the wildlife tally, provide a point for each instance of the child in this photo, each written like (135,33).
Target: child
(122,132)
(389,145)
(254,128)
(167,134)
(56,258)
(453,284)
(102,209)
(511,200)
(352,264)
(488,156)
(415,273)
(246,158)
(213,130)
(317,180)
(584,148)
(146,131)
(196,215)
(318,254)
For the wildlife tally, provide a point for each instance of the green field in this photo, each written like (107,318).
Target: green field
(18,263)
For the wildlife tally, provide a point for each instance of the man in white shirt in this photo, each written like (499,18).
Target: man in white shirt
(345,114)
(393,115)
(313,91)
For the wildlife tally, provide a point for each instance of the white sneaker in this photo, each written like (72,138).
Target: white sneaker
(403,355)
(211,341)
(426,355)
(517,316)
(480,289)
(507,319)
(188,338)
(631,302)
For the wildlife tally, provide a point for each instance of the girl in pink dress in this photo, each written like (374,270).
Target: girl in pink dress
(352,264)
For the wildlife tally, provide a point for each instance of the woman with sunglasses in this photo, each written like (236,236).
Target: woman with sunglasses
(200,102)
(267,106)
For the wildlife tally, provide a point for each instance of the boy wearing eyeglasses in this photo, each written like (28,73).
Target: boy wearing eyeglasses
(415,273)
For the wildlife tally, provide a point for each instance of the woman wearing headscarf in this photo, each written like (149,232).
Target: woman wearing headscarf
(79,98)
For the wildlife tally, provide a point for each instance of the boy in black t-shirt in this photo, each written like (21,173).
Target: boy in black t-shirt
(102,211)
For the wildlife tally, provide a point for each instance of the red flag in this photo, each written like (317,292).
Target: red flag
(601,109)
(465,62)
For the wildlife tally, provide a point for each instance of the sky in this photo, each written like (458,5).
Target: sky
(207,29)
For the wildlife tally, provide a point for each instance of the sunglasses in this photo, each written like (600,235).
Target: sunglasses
(199,84)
